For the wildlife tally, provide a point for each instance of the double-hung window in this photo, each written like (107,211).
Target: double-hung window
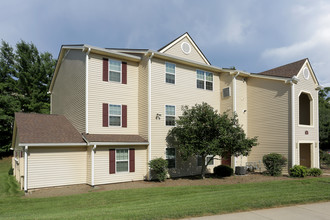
(115,115)
(170,73)
(209,159)
(204,80)
(170,157)
(170,115)
(122,160)
(114,70)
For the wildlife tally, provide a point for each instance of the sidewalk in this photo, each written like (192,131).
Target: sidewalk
(315,211)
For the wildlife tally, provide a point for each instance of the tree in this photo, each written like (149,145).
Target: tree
(201,131)
(25,77)
(324,118)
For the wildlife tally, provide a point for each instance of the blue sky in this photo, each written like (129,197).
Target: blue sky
(251,35)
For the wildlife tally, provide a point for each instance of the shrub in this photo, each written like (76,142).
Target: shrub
(298,171)
(324,158)
(223,171)
(11,171)
(314,172)
(274,163)
(158,168)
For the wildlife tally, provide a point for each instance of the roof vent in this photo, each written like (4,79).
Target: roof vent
(306,73)
(186,48)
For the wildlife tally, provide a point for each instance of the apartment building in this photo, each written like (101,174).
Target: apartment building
(111,110)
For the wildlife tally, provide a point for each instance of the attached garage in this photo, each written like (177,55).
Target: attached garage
(56,166)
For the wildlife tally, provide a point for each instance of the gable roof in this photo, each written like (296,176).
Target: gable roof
(42,128)
(169,45)
(287,71)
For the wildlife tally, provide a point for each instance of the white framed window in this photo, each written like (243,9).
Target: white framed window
(226,92)
(114,70)
(122,160)
(169,115)
(170,157)
(204,80)
(115,115)
(170,73)
(209,158)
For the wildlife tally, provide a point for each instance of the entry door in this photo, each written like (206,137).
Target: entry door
(305,155)
(226,160)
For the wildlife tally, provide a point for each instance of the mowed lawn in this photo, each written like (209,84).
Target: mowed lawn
(158,202)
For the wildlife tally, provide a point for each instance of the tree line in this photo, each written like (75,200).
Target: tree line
(25,75)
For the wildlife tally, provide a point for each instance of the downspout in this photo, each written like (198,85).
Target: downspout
(149,110)
(93,164)
(293,128)
(234,105)
(86,85)
(25,168)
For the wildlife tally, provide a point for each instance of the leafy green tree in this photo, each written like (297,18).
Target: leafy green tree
(324,118)
(201,131)
(25,76)
(9,103)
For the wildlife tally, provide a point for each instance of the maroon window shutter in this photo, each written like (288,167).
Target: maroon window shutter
(105,114)
(124,73)
(105,69)
(124,116)
(112,161)
(131,160)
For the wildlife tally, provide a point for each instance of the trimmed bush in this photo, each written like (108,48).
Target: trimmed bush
(223,171)
(158,168)
(298,171)
(274,163)
(314,172)
(324,158)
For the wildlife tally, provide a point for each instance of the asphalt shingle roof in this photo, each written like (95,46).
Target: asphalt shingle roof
(287,71)
(42,128)
(114,138)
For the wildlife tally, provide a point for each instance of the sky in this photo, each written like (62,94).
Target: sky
(251,35)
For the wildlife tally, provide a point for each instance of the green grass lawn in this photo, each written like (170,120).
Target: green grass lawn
(159,203)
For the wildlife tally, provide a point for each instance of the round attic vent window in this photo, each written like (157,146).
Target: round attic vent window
(186,48)
(306,73)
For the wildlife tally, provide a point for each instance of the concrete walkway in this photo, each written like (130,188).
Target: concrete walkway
(315,211)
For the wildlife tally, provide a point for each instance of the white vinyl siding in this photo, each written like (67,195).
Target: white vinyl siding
(50,166)
(102,175)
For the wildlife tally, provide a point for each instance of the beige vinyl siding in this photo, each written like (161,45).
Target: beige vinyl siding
(307,86)
(183,92)
(175,50)
(89,165)
(111,93)
(102,175)
(68,96)
(241,101)
(56,166)
(268,118)
(226,105)
(143,98)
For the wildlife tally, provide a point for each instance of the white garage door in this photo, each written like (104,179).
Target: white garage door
(56,166)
